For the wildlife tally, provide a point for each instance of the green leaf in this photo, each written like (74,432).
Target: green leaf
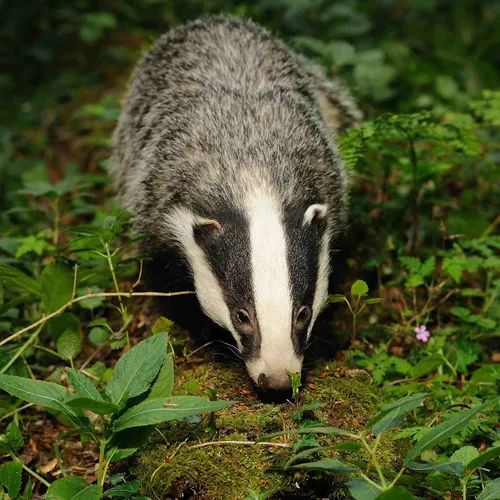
(336,298)
(350,446)
(484,458)
(155,411)
(162,325)
(65,321)
(465,455)
(69,344)
(427,365)
(46,394)
(373,301)
(10,477)
(164,383)
(14,437)
(452,468)
(126,443)
(390,416)
(443,431)
(125,490)
(396,493)
(359,288)
(329,464)
(82,385)
(72,488)
(361,489)
(491,491)
(306,430)
(101,407)
(16,281)
(135,371)
(98,336)
(57,286)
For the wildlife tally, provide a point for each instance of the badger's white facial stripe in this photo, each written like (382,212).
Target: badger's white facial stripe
(271,289)
(317,211)
(180,222)
(321,294)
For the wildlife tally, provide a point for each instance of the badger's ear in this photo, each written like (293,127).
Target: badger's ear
(206,230)
(314,212)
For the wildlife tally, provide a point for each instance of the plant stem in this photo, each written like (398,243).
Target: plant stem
(101,476)
(29,471)
(374,460)
(115,281)
(21,350)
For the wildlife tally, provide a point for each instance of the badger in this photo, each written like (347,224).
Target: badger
(225,152)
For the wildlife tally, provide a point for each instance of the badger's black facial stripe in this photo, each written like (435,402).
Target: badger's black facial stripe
(303,247)
(228,254)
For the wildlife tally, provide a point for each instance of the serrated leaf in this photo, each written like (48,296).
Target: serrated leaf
(137,368)
(164,383)
(14,437)
(361,489)
(390,416)
(427,365)
(491,491)
(69,344)
(443,431)
(10,477)
(329,465)
(56,286)
(484,458)
(46,394)
(125,490)
(359,288)
(451,468)
(306,430)
(72,488)
(16,281)
(155,411)
(162,325)
(465,455)
(82,385)
(96,406)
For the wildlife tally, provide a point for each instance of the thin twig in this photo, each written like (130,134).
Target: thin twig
(17,410)
(247,443)
(89,296)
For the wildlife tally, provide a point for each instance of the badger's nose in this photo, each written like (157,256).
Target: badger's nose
(275,382)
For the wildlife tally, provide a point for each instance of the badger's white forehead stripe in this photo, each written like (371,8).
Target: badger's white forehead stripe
(180,222)
(271,287)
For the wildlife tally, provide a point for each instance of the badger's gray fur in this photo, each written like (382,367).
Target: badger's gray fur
(225,151)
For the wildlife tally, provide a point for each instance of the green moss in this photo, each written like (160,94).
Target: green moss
(171,466)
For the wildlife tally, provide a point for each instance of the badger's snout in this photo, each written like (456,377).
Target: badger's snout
(275,382)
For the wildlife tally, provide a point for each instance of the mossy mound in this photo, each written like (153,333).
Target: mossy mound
(173,466)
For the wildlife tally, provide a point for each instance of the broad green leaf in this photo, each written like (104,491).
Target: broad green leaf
(136,369)
(101,407)
(396,493)
(126,443)
(465,455)
(98,336)
(69,344)
(390,416)
(442,431)
(46,394)
(427,365)
(125,490)
(491,491)
(155,411)
(452,468)
(484,458)
(65,321)
(57,286)
(72,488)
(307,430)
(10,477)
(164,383)
(361,489)
(82,385)
(162,325)
(14,437)
(359,287)
(15,280)
(329,465)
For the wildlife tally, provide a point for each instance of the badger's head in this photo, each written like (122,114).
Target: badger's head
(261,272)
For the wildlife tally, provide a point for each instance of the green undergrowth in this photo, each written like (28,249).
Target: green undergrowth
(169,466)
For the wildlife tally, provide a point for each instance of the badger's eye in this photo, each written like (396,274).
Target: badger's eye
(243,317)
(303,314)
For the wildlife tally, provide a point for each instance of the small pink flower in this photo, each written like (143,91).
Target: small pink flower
(422,333)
